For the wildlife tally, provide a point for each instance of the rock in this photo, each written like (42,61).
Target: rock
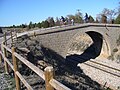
(41,64)
(24,50)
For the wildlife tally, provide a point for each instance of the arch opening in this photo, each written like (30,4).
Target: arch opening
(85,47)
(95,48)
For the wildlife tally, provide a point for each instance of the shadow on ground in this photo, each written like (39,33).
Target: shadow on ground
(68,73)
(89,53)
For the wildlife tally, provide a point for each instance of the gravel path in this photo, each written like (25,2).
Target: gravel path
(6,81)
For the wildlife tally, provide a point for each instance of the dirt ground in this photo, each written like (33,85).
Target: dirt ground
(66,71)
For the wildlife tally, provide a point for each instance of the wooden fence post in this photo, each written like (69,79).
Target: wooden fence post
(1,48)
(11,38)
(34,34)
(16,35)
(5,54)
(49,74)
(0,58)
(5,38)
(0,55)
(15,65)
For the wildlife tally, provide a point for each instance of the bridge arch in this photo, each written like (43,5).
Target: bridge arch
(91,43)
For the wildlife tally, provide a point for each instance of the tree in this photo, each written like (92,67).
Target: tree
(51,21)
(23,26)
(57,22)
(42,24)
(35,24)
(45,24)
(13,26)
(1,31)
(118,9)
(104,19)
(71,16)
(38,25)
(90,19)
(31,25)
(96,20)
(117,20)
(110,14)
(78,17)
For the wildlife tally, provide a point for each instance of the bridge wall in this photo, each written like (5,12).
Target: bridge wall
(59,39)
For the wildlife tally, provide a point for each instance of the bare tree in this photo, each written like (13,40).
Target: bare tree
(57,22)
(110,14)
(119,8)
(51,21)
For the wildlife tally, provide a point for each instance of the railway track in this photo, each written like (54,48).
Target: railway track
(103,67)
(102,72)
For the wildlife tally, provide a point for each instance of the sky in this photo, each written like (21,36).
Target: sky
(16,12)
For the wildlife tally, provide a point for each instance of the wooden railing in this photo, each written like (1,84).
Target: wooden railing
(47,75)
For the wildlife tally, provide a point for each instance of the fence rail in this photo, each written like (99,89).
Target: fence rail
(47,74)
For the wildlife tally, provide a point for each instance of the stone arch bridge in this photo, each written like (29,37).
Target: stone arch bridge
(94,39)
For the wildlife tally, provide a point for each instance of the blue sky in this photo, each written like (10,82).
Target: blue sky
(23,11)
